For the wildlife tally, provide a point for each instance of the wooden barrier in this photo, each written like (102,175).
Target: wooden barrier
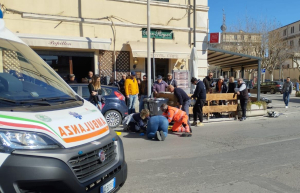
(231,107)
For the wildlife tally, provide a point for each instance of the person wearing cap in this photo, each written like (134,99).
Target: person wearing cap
(171,81)
(71,79)
(200,96)
(131,92)
(159,85)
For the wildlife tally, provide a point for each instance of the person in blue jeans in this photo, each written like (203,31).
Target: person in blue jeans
(157,128)
(287,90)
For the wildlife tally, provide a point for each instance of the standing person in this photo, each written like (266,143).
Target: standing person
(139,81)
(157,128)
(90,77)
(121,85)
(143,92)
(297,87)
(231,85)
(242,93)
(208,82)
(287,90)
(179,117)
(221,87)
(182,98)
(159,85)
(95,92)
(171,81)
(131,92)
(200,96)
(71,79)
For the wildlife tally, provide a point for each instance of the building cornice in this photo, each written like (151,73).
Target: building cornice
(101,22)
(165,4)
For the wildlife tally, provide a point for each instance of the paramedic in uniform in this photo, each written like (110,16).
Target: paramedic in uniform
(179,117)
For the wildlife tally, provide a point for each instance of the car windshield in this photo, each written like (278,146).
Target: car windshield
(25,77)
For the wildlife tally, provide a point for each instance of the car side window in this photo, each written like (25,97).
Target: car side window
(85,92)
(106,91)
(75,88)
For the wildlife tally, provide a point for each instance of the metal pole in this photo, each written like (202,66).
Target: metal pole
(148,49)
(194,23)
(258,80)
(153,59)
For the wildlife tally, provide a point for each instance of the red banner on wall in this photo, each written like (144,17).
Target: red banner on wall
(215,38)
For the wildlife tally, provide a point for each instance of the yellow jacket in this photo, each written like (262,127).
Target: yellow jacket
(131,87)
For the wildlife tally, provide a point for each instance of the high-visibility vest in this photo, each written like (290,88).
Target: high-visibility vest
(174,114)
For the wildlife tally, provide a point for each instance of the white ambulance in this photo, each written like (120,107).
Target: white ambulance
(51,140)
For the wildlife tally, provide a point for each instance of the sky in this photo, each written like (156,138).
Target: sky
(283,11)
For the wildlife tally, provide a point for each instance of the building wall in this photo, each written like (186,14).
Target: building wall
(128,17)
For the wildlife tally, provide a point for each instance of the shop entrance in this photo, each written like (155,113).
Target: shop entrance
(65,63)
(81,66)
(161,68)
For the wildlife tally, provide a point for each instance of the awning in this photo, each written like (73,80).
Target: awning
(227,60)
(162,50)
(65,42)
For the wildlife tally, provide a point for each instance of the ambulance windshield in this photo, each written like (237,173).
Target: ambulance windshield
(26,79)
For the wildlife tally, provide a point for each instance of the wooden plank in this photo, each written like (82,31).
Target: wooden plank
(217,109)
(219,96)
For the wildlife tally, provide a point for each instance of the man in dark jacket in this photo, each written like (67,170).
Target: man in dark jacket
(200,94)
(287,90)
(208,82)
(121,84)
(171,80)
(242,93)
(183,99)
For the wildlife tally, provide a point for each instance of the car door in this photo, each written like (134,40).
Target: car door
(263,87)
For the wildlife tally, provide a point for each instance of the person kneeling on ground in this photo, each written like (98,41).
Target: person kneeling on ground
(157,128)
(179,117)
(138,121)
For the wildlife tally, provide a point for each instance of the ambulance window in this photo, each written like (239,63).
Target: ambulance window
(24,76)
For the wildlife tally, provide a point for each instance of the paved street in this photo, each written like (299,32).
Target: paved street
(257,155)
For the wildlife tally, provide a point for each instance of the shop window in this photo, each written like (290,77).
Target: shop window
(59,63)
(106,65)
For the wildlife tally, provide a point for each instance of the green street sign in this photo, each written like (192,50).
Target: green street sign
(158,34)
